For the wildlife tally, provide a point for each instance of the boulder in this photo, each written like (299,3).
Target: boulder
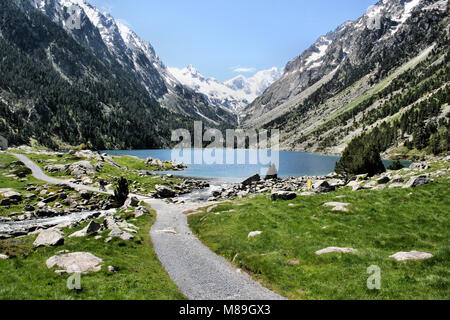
(164,192)
(383,180)
(46,213)
(86,195)
(116,232)
(272,173)
(12,196)
(412,255)
(81,168)
(252,179)
(131,202)
(421,166)
(140,211)
(322,186)
(418,181)
(49,238)
(283,195)
(335,249)
(82,262)
(56,168)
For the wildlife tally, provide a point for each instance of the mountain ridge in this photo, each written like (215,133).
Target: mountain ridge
(348,66)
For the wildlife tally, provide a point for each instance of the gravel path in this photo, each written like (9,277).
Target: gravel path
(40,175)
(198,272)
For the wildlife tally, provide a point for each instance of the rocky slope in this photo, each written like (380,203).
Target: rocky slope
(346,67)
(234,94)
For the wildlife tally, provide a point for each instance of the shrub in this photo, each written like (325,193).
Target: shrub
(396,165)
(360,158)
(121,192)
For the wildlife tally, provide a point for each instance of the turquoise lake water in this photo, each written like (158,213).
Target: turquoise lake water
(289,163)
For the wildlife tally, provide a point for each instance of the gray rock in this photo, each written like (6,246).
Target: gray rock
(12,195)
(419,181)
(412,255)
(252,179)
(322,186)
(164,192)
(81,168)
(56,168)
(86,195)
(335,249)
(272,173)
(396,185)
(49,238)
(76,262)
(383,180)
(421,166)
(140,211)
(283,195)
(28,208)
(116,232)
(131,202)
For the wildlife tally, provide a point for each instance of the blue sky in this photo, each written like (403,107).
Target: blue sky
(224,37)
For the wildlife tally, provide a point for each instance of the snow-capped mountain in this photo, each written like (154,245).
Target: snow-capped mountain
(109,39)
(389,31)
(234,94)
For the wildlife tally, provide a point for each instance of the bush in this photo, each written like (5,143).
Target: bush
(396,165)
(121,192)
(360,158)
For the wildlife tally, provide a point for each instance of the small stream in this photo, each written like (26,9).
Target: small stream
(18,228)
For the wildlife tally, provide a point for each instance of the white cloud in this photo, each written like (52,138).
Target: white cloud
(243,70)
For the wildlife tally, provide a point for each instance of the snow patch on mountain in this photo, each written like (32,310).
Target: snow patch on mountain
(234,94)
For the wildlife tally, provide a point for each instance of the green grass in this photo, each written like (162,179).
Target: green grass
(140,275)
(379,224)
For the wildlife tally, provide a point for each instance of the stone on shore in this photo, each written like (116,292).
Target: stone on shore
(335,249)
(412,255)
(92,228)
(249,181)
(76,262)
(272,173)
(49,238)
(164,192)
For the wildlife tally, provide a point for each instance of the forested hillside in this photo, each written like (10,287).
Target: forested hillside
(58,93)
